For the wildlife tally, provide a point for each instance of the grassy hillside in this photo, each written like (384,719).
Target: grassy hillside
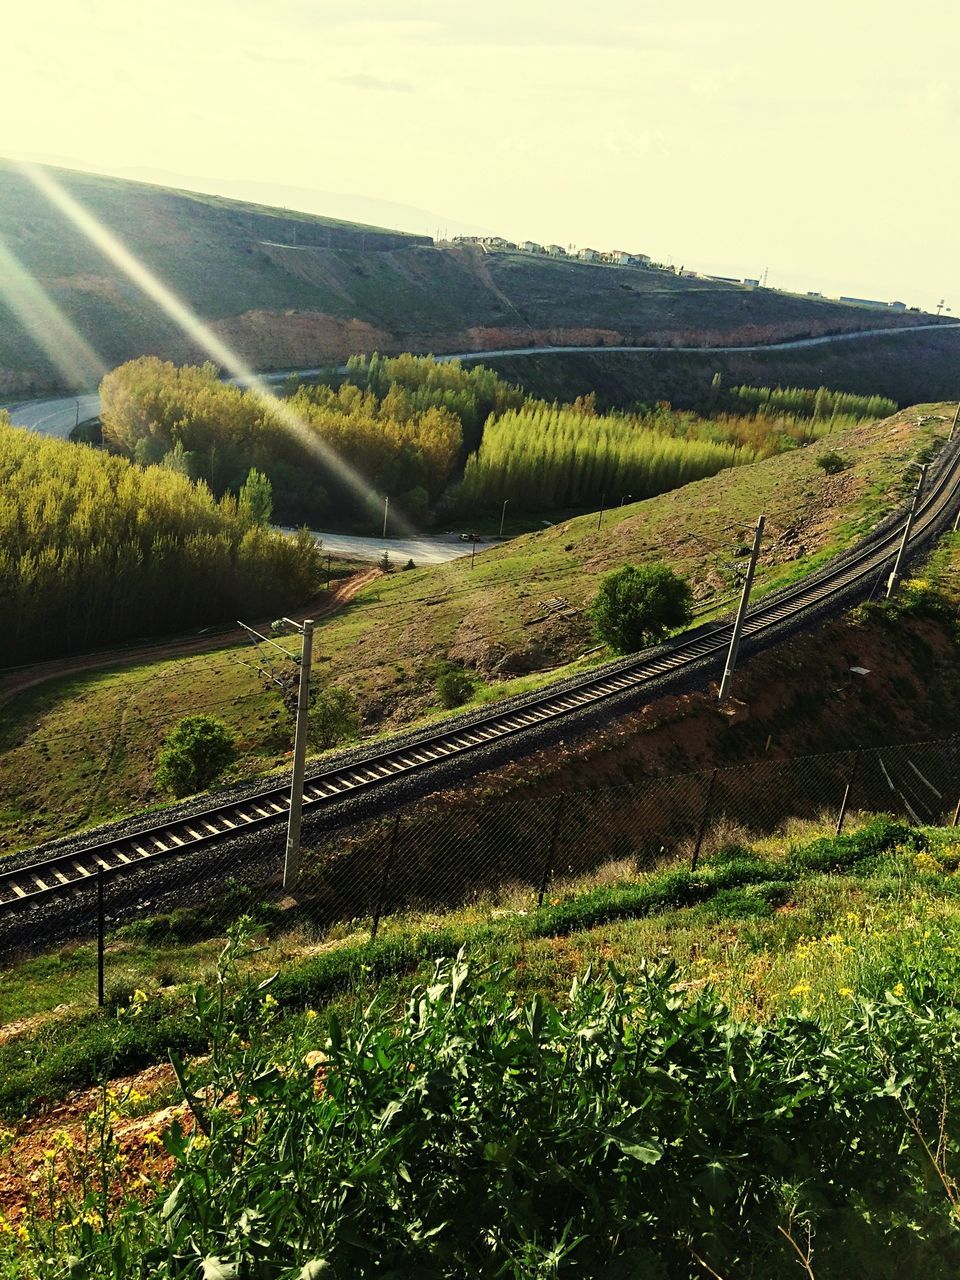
(83,748)
(292,289)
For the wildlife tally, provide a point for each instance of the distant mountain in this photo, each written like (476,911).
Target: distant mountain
(287,288)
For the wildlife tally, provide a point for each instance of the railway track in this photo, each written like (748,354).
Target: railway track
(28,886)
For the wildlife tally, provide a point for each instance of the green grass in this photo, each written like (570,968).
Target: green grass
(82,749)
(793,921)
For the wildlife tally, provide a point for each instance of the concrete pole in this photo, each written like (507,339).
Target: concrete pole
(386,513)
(956,419)
(503,515)
(895,575)
(741,614)
(291,861)
(603,498)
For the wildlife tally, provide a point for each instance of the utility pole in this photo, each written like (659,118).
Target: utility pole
(503,513)
(76,422)
(741,613)
(291,861)
(473,552)
(956,419)
(386,513)
(895,575)
(603,498)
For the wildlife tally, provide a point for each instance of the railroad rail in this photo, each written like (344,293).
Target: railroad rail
(64,873)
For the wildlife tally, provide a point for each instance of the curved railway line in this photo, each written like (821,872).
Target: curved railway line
(66,872)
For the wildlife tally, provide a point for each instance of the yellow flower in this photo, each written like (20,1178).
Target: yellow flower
(899,989)
(311,1014)
(801,989)
(269,1001)
(152,1139)
(846,991)
(139,997)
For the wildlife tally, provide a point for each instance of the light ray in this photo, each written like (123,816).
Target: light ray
(218,351)
(73,358)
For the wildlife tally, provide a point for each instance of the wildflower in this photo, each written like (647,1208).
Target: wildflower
(269,1001)
(311,1014)
(5,1227)
(139,997)
(801,989)
(846,991)
(899,989)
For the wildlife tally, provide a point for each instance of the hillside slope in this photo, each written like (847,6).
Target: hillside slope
(83,748)
(289,289)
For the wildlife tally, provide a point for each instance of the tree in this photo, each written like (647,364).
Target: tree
(333,717)
(256,498)
(636,606)
(195,752)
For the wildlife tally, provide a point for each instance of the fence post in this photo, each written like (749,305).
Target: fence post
(847,789)
(100,933)
(551,851)
(956,814)
(385,878)
(704,820)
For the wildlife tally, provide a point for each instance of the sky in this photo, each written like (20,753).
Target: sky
(818,141)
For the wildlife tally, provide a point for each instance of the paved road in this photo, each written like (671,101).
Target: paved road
(57,417)
(420,550)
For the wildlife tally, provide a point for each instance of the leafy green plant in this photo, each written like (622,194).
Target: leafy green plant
(454,685)
(832,463)
(333,716)
(638,606)
(195,752)
(635,1130)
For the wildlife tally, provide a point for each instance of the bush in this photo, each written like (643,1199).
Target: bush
(195,752)
(629,1131)
(454,686)
(333,717)
(635,606)
(831,463)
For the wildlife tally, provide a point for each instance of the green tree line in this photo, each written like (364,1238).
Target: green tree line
(549,456)
(95,549)
(186,419)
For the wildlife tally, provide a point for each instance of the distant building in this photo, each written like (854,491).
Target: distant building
(865,302)
(588,255)
(751,284)
(531,246)
(898,306)
(723,279)
(620,258)
(687,274)
(556,251)
(814,293)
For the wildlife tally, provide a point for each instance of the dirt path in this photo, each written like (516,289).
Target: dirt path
(321,607)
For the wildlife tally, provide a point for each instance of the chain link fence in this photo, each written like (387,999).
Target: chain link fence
(355,877)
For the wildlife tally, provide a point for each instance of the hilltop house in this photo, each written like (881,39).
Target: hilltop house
(556,251)
(588,255)
(530,246)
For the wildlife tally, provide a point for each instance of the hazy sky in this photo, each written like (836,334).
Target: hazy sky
(818,139)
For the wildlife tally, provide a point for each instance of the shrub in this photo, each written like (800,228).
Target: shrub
(333,717)
(195,752)
(631,1131)
(638,606)
(454,686)
(831,463)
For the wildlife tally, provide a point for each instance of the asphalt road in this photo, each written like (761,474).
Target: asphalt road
(58,417)
(420,550)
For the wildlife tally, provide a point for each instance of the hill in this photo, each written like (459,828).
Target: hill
(291,290)
(81,749)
